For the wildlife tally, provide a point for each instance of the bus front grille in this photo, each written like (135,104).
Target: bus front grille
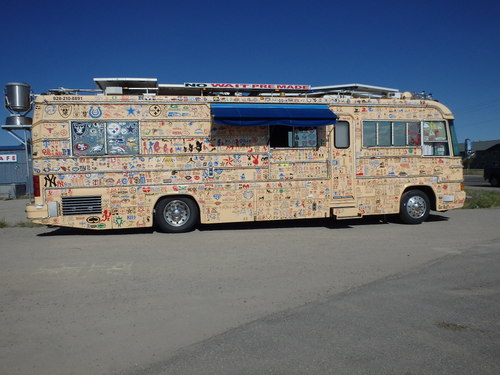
(81,205)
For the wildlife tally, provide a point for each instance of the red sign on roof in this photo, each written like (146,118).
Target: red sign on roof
(251,86)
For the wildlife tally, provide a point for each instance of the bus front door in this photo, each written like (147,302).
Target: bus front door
(342,169)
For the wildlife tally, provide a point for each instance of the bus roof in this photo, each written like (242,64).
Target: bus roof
(133,86)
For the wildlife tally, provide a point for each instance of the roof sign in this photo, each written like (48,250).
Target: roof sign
(248,86)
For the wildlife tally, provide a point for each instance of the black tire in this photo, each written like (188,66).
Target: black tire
(414,207)
(176,214)
(494,181)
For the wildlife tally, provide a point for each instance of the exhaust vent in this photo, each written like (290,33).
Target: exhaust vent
(82,205)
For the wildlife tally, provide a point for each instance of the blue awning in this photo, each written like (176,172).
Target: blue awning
(272,114)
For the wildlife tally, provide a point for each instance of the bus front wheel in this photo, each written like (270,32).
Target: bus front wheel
(176,214)
(415,207)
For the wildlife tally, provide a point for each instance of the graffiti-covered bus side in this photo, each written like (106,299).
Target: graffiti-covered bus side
(129,161)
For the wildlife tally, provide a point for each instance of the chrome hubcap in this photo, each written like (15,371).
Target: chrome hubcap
(416,207)
(176,213)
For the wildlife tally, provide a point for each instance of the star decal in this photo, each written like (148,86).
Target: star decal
(229,161)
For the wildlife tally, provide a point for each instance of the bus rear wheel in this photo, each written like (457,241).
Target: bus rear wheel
(176,214)
(415,207)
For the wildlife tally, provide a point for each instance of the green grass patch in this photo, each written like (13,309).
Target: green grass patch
(482,198)
(28,224)
(21,224)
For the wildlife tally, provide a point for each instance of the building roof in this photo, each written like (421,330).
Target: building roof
(480,145)
(12,148)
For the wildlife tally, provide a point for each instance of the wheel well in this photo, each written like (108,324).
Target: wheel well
(176,196)
(425,189)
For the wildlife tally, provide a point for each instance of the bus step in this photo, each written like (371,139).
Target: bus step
(348,217)
(346,212)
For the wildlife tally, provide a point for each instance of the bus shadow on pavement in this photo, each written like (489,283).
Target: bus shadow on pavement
(328,223)
(436,218)
(67,231)
(275,224)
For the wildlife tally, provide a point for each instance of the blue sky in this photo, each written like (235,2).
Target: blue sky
(448,48)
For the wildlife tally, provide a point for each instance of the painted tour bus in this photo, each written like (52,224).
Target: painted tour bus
(135,153)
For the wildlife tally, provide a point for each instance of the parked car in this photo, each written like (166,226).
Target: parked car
(492,175)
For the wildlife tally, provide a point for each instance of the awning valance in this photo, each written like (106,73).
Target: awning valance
(272,114)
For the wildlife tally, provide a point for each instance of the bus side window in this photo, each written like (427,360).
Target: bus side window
(283,136)
(391,133)
(342,134)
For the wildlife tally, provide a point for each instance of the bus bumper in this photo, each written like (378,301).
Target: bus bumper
(449,202)
(37,211)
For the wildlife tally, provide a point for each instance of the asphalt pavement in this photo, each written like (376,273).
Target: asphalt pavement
(12,210)
(298,297)
(443,318)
